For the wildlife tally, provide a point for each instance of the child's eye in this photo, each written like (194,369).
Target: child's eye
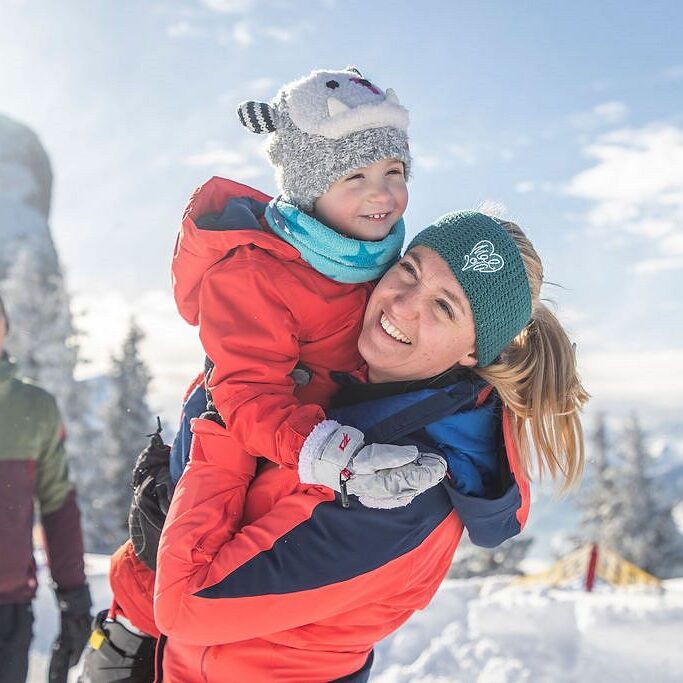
(355,176)
(445,307)
(395,171)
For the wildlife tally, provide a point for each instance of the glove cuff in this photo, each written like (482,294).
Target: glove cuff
(76,601)
(313,447)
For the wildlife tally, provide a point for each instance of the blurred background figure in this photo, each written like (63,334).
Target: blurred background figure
(33,468)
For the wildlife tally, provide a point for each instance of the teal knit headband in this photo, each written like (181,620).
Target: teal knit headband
(487,264)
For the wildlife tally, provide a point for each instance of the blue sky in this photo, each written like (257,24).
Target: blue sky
(569,114)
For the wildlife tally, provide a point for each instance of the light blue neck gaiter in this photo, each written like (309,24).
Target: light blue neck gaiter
(340,258)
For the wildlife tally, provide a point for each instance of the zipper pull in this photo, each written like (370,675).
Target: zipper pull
(344,476)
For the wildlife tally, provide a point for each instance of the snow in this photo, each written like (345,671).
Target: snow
(492,631)
(47,617)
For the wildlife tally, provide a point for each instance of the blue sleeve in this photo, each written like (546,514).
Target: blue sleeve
(470,442)
(180,450)
(489,522)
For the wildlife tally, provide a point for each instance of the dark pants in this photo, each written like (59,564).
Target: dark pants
(362,675)
(16,631)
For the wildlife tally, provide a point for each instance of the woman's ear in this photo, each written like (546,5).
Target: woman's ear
(468,361)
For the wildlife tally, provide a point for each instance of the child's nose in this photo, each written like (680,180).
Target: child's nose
(380,190)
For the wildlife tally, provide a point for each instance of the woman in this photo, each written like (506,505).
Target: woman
(271,579)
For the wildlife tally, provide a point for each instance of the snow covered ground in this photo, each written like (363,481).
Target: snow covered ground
(488,631)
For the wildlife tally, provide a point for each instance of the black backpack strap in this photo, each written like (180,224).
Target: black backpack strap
(444,402)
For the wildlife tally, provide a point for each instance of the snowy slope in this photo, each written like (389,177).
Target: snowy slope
(487,631)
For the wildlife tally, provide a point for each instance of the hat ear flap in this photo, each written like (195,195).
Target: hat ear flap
(258,117)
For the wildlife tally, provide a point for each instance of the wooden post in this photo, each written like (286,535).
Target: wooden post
(592,565)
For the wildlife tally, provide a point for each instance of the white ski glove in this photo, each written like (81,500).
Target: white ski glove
(381,475)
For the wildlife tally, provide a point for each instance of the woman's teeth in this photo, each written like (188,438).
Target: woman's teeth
(393,331)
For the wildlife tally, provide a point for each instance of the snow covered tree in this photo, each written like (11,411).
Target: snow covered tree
(127,421)
(471,560)
(621,508)
(42,336)
(600,499)
(649,538)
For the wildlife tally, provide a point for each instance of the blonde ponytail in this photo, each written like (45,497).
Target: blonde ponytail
(537,379)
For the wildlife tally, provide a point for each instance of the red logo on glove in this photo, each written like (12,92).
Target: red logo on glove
(344,442)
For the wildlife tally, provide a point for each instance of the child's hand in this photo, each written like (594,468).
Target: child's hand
(394,486)
(381,475)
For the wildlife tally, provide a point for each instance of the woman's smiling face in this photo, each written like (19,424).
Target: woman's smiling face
(418,322)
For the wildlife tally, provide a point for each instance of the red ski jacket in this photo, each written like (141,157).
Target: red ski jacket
(266,318)
(272,580)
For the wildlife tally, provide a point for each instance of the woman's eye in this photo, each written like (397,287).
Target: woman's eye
(408,267)
(445,307)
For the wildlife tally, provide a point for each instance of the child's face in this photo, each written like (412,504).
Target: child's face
(365,203)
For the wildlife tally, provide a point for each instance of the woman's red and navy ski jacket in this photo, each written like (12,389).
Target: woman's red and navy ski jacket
(265,579)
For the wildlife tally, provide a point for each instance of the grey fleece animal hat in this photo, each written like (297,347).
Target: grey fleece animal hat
(325,125)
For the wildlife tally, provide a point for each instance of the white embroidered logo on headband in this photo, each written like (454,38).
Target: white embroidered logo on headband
(483,258)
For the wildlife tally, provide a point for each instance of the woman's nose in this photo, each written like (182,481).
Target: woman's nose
(405,302)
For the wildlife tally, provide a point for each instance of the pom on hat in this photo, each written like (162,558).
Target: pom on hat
(258,117)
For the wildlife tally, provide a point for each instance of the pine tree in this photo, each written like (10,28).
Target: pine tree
(621,508)
(649,538)
(472,560)
(127,419)
(600,500)
(42,337)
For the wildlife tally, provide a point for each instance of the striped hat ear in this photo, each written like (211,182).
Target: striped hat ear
(258,117)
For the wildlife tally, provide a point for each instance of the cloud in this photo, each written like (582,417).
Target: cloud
(673,73)
(604,114)
(230,163)
(281,35)
(261,84)
(242,34)
(625,378)
(467,154)
(525,186)
(182,29)
(429,162)
(636,187)
(229,6)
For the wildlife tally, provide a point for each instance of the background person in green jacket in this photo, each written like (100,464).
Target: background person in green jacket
(33,468)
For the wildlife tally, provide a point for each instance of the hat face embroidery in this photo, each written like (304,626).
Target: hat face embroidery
(483,258)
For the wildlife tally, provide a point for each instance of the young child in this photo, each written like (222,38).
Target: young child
(278,287)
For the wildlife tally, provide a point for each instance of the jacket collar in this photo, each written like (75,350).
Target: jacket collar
(353,391)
